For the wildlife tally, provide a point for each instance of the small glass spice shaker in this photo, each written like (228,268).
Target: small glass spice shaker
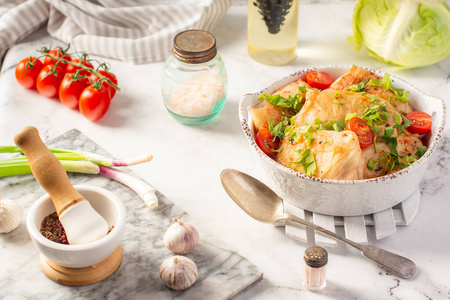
(316,259)
(194,79)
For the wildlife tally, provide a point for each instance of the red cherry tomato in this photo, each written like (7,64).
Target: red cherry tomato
(27,71)
(319,80)
(70,90)
(421,122)
(266,142)
(57,53)
(111,77)
(358,126)
(94,103)
(49,80)
(71,69)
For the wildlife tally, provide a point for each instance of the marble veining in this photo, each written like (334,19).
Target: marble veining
(188,161)
(222,273)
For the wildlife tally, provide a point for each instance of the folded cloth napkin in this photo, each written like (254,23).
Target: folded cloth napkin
(19,18)
(136,31)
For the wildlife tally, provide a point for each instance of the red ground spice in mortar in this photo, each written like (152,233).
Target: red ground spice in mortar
(52,229)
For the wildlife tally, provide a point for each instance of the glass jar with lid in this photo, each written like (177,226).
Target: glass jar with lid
(194,79)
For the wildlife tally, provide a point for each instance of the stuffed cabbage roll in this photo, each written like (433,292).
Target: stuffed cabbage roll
(337,155)
(355,129)
(379,163)
(335,105)
(263,112)
(356,75)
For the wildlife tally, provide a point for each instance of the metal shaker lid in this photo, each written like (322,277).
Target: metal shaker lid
(316,257)
(194,46)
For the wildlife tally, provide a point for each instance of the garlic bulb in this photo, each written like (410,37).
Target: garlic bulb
(181,237)
(178,272)
(11,214)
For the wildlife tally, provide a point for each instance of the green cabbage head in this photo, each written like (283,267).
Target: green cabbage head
(407,33)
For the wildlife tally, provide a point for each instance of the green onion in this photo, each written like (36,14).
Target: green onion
(23,159)
(95,158)
(142,188)
(86,163)
(76,166)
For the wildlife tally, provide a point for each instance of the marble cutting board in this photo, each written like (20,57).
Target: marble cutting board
(222,273)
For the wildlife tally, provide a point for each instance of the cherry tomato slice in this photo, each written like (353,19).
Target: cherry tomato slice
(94,103)
(70,91)
(358,126)
(319,80)
(48,82)
(421,122)
(111,77)
(27,71)
(266,142)
(57,53)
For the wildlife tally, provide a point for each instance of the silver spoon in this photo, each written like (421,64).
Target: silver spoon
(262,204)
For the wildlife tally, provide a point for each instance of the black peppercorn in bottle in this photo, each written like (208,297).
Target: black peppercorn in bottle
(272,30)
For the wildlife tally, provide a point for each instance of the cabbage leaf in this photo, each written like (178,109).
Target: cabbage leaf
(406,33)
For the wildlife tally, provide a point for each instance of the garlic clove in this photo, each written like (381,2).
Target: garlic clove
(11,214)
(181,237)
(178,272)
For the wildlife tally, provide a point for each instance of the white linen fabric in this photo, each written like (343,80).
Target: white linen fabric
(20,18)
(135,31)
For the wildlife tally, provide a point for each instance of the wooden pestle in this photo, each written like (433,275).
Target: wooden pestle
(47,169)
(81,222)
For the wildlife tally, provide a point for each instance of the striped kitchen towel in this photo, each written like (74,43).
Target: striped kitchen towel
(19,18)
(136,31)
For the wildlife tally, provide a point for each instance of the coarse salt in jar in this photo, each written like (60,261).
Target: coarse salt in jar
(194,79)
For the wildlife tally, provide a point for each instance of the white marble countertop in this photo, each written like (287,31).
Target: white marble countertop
(188,160)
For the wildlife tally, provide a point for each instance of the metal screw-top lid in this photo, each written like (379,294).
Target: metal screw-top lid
(194,46)
(316,257)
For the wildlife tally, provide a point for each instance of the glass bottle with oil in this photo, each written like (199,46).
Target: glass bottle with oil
(272,31)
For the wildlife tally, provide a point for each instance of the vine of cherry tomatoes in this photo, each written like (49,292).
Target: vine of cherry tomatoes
(74,81)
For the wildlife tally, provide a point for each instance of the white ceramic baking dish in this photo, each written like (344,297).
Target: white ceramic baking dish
(339,197)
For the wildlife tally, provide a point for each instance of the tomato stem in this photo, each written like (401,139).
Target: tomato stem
(64,51)
(104,66)
(82,67)
(30,64)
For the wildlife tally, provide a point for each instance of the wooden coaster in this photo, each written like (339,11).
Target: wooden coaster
(81,276)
